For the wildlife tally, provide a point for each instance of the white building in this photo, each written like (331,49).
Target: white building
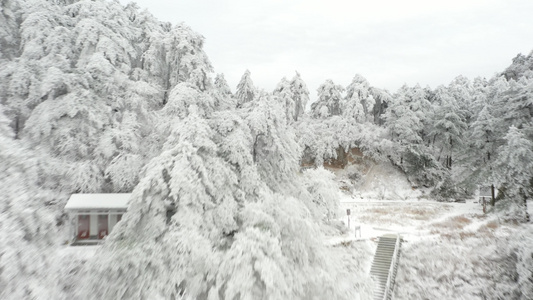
(93,216)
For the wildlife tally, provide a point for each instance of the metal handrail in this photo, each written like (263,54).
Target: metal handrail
(391,268)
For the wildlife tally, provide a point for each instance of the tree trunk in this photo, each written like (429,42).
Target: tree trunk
(17,127)
(493,198)
(525,207)
(167,87)
(256,144)
(451,153)
(524,196)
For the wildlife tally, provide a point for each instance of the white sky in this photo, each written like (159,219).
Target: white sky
(390,42)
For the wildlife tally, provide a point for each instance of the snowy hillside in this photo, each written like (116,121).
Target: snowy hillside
(232,196)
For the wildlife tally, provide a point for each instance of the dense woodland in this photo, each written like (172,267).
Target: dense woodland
(100,97)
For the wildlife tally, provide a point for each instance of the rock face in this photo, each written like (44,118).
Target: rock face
(363,177)
(344,158)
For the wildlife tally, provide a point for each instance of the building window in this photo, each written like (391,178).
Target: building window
(84,225)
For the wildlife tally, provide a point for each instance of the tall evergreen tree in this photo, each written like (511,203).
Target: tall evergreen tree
(29,238)
(450,127)
(245,89)
(222,93)
(514,168)
(300,94)
(359,101)
(329,100)
(285,95)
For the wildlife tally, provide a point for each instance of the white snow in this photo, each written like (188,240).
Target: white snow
(450,249)
(98,201)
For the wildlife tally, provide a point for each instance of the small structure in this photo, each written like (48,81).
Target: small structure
(485,193)
(93,216)
(485,196)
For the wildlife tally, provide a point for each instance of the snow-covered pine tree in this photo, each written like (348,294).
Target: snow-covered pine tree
(402,120)
(329,100)
(356,94)
(222,93)
(514,169)
(484,140)
(284,94)
(203,223)
(403,123)
(222,85)
(382,99)
(359,103)
(521,64)
(9,23)
(418,101)
(246,91)
(449,129)
(460,88)
(519,102)
(176,55)
(91,73)
(300,94)
(480,88)
(28,239)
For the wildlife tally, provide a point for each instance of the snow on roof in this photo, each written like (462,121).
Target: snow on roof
(97,201)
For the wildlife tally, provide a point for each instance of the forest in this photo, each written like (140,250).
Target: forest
(97,97)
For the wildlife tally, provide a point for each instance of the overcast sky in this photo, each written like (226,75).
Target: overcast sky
(389,42)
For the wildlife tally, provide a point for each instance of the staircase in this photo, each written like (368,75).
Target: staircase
(384,266)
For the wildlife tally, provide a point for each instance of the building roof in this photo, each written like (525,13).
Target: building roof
(97,201)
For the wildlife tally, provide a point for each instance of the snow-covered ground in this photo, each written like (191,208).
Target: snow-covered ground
(409,218)
(450,250)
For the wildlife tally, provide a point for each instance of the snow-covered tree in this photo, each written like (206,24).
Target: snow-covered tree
(9,22)
(521,64)
(382,99)
(460,88)
(450,127)
(322,186)
(514,167)
(275,150)
(27,266)
(300,94)
(329,100)
(284,94)
(483,137)
(222,93)
(403,123)
(359,103)
(202,223)
(407,120)
(519,102)
(86,83)
(176,55)
(245,89)
(222,85)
